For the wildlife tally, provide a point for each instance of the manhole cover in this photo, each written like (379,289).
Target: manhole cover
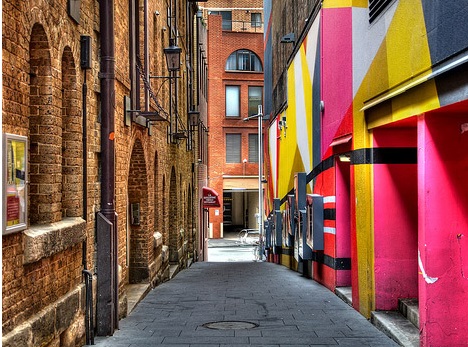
(230,325)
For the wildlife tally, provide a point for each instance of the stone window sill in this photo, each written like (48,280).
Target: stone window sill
(42,241)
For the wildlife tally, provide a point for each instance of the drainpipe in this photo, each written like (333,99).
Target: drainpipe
(106,221)
(89,325)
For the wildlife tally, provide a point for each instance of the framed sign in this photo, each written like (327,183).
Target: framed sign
(14,183)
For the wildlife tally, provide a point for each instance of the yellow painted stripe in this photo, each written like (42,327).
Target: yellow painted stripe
(344,3)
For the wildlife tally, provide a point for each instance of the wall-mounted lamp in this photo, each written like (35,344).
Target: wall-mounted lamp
(289,38)
(173,56)
(345,158)
(194,118)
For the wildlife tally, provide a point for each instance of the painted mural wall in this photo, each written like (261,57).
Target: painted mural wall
(376,115)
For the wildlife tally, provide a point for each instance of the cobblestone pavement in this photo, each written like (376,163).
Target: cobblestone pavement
(285,309)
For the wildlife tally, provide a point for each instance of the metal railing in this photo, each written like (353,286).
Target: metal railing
(244,26)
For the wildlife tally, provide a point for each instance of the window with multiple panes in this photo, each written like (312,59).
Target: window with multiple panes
(233,148)
(227,19)
(256,20)
(376,7)
(244,60)
(253,148)
(255,99)
(232,101)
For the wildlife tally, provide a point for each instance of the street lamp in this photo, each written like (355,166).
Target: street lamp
(172,56)
(259,116)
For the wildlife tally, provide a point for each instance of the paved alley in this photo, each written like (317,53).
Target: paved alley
(250,304)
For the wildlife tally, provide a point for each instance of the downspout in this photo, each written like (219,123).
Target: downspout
(146,53)
(85,145)
(107,295)
(89,322)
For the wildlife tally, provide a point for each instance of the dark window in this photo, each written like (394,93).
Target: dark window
(227,19)
(233,148)
(253,148)
(256,20)
(376,7)
(255,99)
(243,60)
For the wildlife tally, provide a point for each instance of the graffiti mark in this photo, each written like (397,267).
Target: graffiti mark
(464,127)
(427,278)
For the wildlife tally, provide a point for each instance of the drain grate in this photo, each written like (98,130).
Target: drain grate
(230,325)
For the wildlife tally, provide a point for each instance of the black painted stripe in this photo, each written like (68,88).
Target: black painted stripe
(329,213)
(393,155)
(321,167)
(321,258)
(383,155)
(334,263)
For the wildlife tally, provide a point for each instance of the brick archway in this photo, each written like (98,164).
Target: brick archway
(138,212)
(173,220)
(45,130)
(157,208)
(72,157)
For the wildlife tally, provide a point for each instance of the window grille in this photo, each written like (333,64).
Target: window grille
(233,148)
(253,148)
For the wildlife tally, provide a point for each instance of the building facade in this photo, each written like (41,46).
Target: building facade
(368,104)
(101,140)
(235,57)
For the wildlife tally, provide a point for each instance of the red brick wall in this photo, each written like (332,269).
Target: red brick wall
(220,45)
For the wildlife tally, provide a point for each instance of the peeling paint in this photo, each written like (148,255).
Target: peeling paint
(427,278)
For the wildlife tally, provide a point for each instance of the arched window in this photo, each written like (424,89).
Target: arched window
(243,60)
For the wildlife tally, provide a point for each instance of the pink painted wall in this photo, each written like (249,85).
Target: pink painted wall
(443,229)
(336,65)
(343,220)
(395,222)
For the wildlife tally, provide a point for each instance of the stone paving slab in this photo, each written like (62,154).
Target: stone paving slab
(288,309)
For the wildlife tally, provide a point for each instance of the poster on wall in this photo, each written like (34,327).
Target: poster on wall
(14,183)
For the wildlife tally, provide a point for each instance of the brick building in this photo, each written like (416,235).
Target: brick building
(99,160)
(235,55)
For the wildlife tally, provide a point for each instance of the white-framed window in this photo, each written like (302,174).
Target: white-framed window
(232,101)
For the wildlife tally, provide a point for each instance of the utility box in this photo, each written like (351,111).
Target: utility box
(300,184)
(314,222)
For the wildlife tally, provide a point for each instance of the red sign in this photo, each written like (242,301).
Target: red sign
(13,210)
(210,198)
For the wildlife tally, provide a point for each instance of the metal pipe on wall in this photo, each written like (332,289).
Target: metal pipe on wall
(107,295)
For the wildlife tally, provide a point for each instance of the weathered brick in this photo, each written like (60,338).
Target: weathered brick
(42,99)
